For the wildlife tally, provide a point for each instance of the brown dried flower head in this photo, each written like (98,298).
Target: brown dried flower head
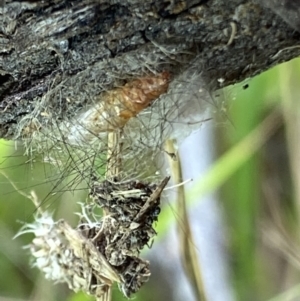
(99,252)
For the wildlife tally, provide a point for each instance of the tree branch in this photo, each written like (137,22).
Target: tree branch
(58,56)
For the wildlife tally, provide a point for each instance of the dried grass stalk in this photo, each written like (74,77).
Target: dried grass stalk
(189,257)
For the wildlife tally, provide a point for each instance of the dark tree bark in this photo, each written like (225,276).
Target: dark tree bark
(289,10)
(58,56)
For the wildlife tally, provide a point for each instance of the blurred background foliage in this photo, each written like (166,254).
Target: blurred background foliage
(256,174)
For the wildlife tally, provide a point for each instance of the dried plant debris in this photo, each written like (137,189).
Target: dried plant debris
(131,208)
(100,251)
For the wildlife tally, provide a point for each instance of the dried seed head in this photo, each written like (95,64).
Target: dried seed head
(99,252)
(65,255)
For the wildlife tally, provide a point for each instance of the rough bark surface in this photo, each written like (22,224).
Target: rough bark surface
(58,56)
